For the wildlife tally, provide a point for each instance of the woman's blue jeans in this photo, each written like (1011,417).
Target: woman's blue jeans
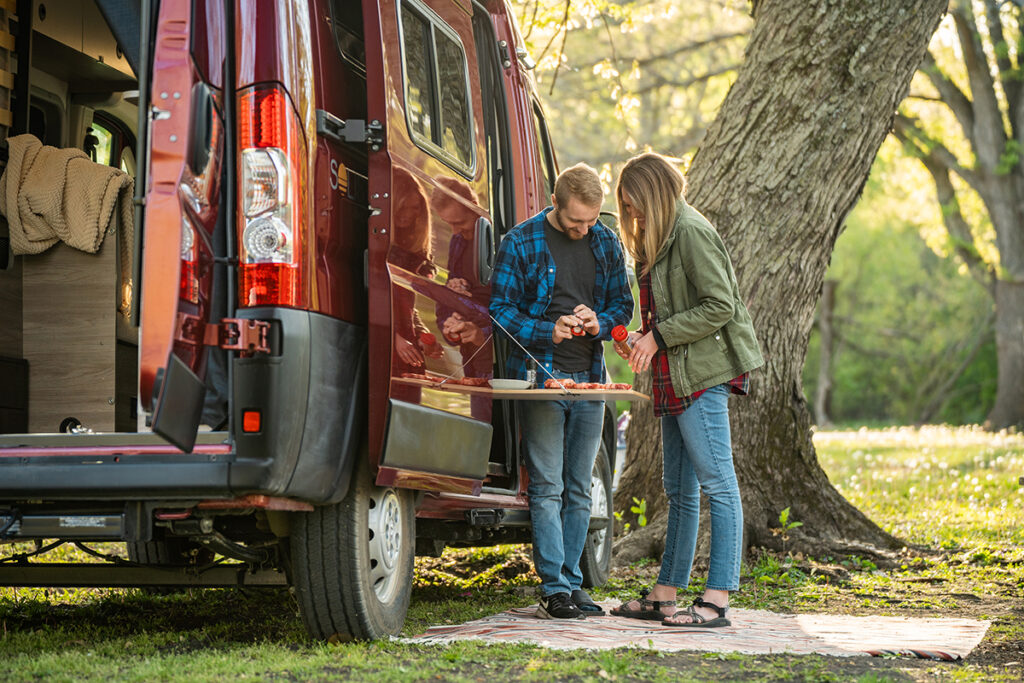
(697,453)
(561,439)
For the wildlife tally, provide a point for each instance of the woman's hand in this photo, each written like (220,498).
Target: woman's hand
(408,351)
(644,349)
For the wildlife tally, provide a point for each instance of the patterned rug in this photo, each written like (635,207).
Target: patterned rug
(751,632)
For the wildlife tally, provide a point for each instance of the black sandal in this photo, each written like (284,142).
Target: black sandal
(698,620)
(653,614)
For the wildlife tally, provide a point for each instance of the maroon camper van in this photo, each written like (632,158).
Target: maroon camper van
(241,387)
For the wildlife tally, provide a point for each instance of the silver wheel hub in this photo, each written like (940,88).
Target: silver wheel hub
(598,508)
(385,542)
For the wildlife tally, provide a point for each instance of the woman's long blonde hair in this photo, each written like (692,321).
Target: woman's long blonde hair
(653,184)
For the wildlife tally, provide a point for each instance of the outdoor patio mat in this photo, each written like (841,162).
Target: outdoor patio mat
(751,632)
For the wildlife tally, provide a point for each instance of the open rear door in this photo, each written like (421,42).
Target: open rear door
(431,248)
(182,207)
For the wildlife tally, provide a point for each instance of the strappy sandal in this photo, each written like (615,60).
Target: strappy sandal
(698,620)
(649,609)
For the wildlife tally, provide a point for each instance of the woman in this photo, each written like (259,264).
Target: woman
(698,340)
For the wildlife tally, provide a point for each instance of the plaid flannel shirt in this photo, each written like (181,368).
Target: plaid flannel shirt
(522,284)
(664,396)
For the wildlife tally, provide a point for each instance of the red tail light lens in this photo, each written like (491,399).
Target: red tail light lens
(188,288)
(271,217)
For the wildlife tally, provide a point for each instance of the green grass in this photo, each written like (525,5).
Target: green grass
(951,491)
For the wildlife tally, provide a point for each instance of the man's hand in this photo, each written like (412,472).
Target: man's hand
(457,329)
(643,350)
(408,351)
(591,325)
(563,328)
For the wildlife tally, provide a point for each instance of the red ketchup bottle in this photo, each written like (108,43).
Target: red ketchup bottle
(620,336)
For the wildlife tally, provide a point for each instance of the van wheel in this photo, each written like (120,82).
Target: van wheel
(353,562)
(596,561)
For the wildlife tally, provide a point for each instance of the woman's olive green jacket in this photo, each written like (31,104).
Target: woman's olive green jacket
(699,313)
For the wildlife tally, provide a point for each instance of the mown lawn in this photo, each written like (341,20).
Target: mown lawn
(952,492)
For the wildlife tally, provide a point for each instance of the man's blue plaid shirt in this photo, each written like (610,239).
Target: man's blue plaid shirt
(522,284)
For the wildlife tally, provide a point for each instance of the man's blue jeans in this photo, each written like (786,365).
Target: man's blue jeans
(697,452)
(561,439)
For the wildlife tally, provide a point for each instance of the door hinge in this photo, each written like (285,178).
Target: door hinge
(233,334)
(350,130)
(239,334)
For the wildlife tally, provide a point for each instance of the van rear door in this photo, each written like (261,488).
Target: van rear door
(180,221)
(432,244)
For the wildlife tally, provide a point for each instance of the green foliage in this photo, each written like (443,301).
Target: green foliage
(639,508)
(1009,159)
(905,317)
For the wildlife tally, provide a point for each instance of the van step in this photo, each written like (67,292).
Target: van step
(86,575)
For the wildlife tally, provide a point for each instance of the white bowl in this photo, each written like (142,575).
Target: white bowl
(510,384)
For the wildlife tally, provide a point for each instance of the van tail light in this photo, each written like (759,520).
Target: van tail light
(189,286)
(271,220)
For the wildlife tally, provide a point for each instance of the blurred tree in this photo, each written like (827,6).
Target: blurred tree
(967,129)
(619,76)
(912,334)
(779,170)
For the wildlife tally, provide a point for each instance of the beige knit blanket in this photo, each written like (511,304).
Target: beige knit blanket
(50,194)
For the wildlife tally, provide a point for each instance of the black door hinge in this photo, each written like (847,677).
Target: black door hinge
(350,130)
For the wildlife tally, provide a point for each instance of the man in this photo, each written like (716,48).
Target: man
(557,273)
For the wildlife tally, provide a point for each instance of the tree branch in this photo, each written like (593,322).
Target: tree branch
(1007,71)
(909,133)
(956,225)
(689,47)
(954,98)
(988,136)
(671,83)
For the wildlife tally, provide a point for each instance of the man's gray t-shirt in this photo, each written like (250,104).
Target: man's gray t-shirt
(575,273)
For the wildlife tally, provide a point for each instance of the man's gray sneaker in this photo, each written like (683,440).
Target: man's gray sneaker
(582,600)
(558,606)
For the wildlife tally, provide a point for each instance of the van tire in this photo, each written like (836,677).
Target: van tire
(596,561)
(352,562)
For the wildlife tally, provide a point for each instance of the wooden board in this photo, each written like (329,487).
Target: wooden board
(531,394)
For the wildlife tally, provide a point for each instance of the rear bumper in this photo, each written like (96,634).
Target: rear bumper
(311,393)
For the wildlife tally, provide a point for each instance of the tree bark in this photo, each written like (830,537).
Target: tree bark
(780,168)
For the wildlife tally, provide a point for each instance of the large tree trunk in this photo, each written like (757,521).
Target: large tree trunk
(780,168)
(1008,409)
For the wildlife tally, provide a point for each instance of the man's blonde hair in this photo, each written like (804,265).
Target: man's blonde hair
(579,181)
(653,185)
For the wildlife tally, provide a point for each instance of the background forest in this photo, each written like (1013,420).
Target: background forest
(905,333)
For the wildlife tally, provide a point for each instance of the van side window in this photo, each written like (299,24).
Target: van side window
(544,147)
(437,99)
(347,19)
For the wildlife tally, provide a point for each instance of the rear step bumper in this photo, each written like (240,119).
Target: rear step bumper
(84,575)
(113,467)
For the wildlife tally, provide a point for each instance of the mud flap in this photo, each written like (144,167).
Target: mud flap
(178,404)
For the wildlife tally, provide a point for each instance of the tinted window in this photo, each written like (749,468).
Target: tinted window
(547,156)
(454,100)
(347,19)
(419,83)
(436,87)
